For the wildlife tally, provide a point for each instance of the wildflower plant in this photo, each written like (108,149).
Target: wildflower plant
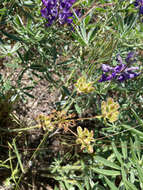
(51,58)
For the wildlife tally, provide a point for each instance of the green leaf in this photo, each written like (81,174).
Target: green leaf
(68,62)
(134,157)
(138,145)
(38,67)
(11,36)
(124,177)
(130,185)
(134,131)
(106,172)
(118,155)
(131,22)
(140,121)
(27,94)
(78,109)
(107,162)
(111,185)
(56,188)
(62,185)
(120,22)
(91,34)
(18,156)
(18,21)
(66,91)
(140,172)
(12,65)
(124,149)
(87,19)
(28,3)
(2,11)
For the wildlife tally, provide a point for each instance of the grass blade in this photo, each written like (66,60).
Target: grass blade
(18,156)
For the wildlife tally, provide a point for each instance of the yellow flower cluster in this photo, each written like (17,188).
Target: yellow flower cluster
(56,119)
(84,137)
(45,122)
(83,86)
(110,110)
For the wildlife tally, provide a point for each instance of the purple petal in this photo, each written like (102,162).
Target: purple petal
(119,59)
(119,68)
(45,2)
(141,9)
(130,57)
(122,77)
(44,12)
(131,69)
(107,78)
(132,75)
(103,78)
(138,3)
(107,68)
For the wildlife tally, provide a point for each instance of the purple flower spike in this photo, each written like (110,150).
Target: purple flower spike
(58,10)
(121,72)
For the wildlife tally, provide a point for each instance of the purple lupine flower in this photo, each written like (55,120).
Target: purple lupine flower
(139,4)
(122,71)
(58,10)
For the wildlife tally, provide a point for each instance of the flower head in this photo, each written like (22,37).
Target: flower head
(45,122)
(110,110)
(122,71)
(58,10)
(83,86)
(84,137)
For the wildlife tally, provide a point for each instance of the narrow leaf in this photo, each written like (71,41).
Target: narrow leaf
(111,185)
(107,162)
(18,157)
(106,172)
(118,155)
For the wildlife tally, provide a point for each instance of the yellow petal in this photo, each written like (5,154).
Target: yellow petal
(79,130)
(110,101)
(90,149)
(114,117)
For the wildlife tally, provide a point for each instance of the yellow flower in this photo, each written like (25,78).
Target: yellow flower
(84,137)
(45,122)
(110,110)
(83,86)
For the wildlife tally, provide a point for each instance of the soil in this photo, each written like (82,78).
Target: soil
(26,111)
